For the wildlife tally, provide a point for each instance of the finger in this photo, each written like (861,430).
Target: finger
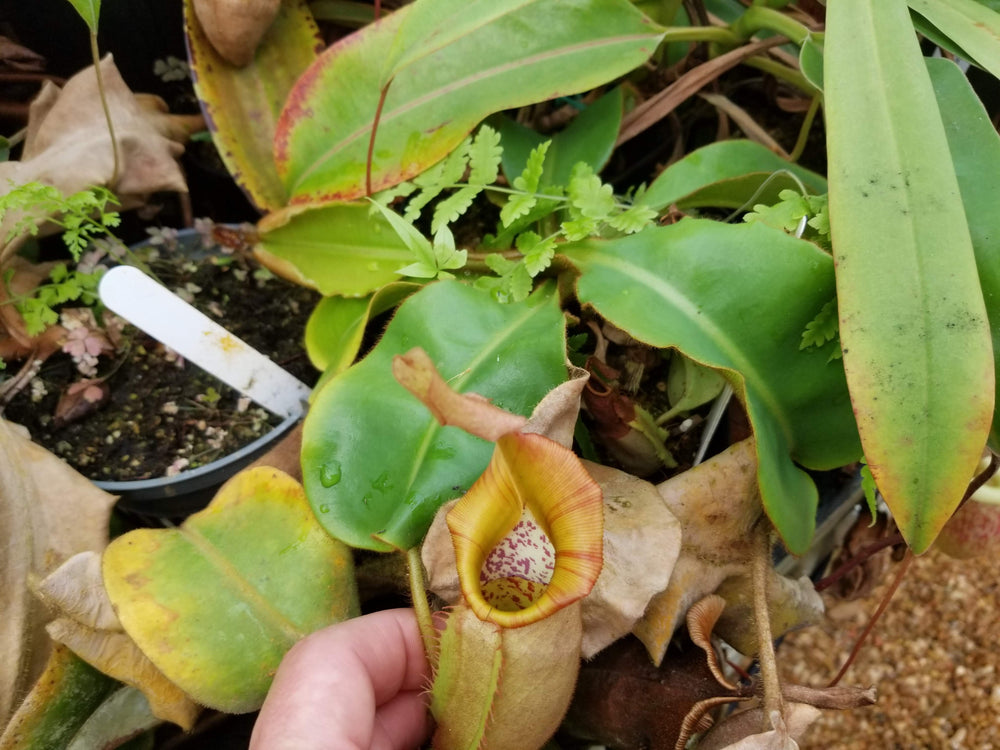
(402,723)
(328,687)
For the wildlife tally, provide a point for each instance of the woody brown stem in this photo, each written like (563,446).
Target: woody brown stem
(761,564)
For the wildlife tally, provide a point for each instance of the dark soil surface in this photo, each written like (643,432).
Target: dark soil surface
(160,414)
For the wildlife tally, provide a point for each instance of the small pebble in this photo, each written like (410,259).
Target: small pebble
(933,657)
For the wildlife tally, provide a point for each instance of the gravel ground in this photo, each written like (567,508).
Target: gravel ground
(934,657)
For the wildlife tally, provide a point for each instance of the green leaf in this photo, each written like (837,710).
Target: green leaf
(974,27)
(590,138)
(456,63)
(376,465)
(90,12)
(689,385)
(975,152)
(337,326)
(811,59)
(913,325)
(242,105)
(216,602)
(736,298)
(412,237)
(337,248)
(727,174)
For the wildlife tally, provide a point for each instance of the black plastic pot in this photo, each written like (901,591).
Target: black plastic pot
(189,491)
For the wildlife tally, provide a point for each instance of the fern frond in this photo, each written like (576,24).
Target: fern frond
(633,219)
(454,206)
(537,252)
(823,328)
(589,195)
(517,206)
(531,175)
(484,157)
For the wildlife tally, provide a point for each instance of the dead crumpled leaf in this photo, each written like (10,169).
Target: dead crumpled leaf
(68,145)
(641,537)
(235,27)
(741,731)
(48,512)
(14,56)
(717,505)
(88,625)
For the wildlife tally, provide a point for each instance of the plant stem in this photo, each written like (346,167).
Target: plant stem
(765,641)
(782,72)
(104,103)
(371,140)
(758,18)
(720,35)
(418,593)
(800,144)
(882,605)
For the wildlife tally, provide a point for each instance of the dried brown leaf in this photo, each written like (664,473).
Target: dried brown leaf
(469,411)
(742,731)
(14,56)
(235,27)
(717,504)
(68,145)
(48,513)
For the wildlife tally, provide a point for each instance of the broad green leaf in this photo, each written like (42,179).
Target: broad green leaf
(811,60)
(337,325)
(736,298)
(727,174)
(335,248)
(913,325)
(971,25)
(216,602)
(90,12)
(242,105)
(589,137)
(376,465)
(975,152)
(61,702)
(455,64)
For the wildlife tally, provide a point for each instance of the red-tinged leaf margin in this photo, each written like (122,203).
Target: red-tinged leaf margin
(242,105)
(429,108)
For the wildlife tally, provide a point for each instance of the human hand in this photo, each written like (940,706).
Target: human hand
(356,685)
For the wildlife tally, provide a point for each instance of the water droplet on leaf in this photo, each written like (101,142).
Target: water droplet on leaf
(329,474)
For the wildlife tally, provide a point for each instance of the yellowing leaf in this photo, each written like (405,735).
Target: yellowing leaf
(216,602)
(88,625)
